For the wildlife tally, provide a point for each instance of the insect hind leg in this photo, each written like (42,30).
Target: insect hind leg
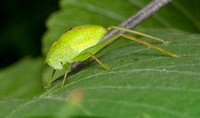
(150,45)
(138,33)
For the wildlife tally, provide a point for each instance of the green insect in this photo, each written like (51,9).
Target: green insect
(82,42)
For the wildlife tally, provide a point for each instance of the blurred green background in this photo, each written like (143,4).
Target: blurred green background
(22,26)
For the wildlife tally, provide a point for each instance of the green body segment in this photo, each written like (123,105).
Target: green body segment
(72,43)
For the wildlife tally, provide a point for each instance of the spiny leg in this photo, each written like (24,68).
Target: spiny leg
(106,67)
(149,44)
(51,79)
(138,33)
(64,78)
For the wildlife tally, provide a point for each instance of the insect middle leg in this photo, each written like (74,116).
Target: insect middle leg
(92,55)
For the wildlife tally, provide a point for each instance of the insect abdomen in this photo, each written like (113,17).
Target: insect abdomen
(77,39)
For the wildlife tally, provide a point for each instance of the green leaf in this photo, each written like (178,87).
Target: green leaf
(143,82)
(178,15)
(21,80)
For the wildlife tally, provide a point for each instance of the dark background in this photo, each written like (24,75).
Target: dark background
(22,26)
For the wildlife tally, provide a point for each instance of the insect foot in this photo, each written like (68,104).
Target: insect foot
(174,55)
(60,87)
(166,42)
(47,86)
(108,67)
(169,41)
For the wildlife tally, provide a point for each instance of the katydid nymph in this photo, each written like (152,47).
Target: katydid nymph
(82,42)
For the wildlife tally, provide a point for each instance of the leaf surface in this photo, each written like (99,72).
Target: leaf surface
(142,82)
(22,79)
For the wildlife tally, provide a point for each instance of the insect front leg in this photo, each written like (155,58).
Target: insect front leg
(51,80)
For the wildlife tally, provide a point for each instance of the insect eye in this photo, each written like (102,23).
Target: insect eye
(50,59)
